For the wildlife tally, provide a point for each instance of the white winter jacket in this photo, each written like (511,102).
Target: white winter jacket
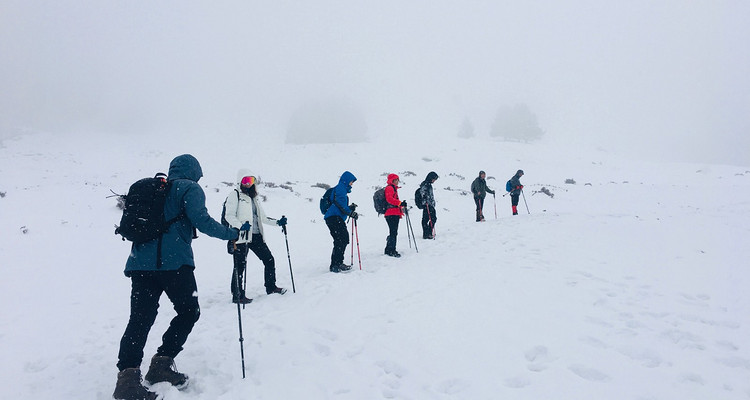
(239,209)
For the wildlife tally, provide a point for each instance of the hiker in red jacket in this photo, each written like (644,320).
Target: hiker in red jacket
(393,214)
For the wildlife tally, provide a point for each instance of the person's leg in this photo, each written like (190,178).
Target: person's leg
(259,247)
(478,203)
(144,305)
(426,223)
(182,290)
(392,221)
(514,203)
(340,235)
(240,265)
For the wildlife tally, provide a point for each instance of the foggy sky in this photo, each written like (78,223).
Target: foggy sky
(642,75)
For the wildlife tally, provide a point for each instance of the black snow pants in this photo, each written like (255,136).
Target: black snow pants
(340,235)
(147,287)
(259,247)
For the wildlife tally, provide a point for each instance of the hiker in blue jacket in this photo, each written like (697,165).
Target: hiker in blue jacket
(515,190)
(166,265)
(335,219)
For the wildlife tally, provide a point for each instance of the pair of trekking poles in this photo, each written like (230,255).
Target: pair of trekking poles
(524,202)
(494,203)
(244,286)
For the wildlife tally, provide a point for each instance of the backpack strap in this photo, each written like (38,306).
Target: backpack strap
(333,194)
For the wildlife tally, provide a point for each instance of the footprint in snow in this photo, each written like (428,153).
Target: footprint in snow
(538,358)
(452,386)
(589,374)
(517,382)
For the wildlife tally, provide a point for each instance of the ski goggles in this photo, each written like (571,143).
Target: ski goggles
(248,181)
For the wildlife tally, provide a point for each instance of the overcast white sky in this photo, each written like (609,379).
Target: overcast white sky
(634,74)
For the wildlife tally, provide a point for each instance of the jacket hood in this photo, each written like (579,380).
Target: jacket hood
(243,173)
(346,178)
(185,167)
(391,178)
(432,175)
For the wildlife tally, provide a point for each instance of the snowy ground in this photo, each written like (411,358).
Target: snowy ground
(630,284)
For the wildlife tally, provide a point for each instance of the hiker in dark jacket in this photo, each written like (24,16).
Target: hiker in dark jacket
(479,189)
(393,214)
(515,193)
(429,217)
(243,211)
(335,220)
(160,266)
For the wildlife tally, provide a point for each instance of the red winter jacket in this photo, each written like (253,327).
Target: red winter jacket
(391,197)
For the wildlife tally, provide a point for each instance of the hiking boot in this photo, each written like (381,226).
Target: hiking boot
(163,369)
(393,253)
(241,300)
(276,290)
(129,386)
(428,236)
(340,268)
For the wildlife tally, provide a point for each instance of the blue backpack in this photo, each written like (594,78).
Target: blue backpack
(508,186)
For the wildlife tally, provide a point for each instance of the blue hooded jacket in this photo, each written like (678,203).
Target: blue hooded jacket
(185,196)
(340,197)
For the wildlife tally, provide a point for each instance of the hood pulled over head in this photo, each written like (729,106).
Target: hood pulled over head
(185,167)
(347,178)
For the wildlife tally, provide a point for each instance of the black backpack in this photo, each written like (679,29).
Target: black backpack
(418,200)
(143,212)
(379,202)
(326,201)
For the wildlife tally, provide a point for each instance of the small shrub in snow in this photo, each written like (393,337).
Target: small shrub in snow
(323,186)
(570,181)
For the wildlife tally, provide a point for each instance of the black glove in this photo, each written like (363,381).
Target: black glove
(354,215)
(352,206)
(281,221)
(245,226)
(403,203)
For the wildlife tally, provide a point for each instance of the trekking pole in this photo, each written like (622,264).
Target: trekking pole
(524,202)
(239,319)
(283,229)
(244,284)
(429,215)
(494,203)
(410,228)
(406,212)
(359,256)
(354,224)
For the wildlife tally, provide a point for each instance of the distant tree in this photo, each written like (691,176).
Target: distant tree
(327,121)
(516,123)
(467,129)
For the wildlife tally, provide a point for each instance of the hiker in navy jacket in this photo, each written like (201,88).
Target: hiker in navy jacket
(515,192)
(160,266)
(335,219)
(429,217)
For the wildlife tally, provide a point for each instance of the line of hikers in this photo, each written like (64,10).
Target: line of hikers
(165,264)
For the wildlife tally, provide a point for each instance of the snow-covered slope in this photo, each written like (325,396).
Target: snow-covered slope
(630,284)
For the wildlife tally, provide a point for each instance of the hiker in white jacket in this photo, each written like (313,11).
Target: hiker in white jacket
(244,212)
